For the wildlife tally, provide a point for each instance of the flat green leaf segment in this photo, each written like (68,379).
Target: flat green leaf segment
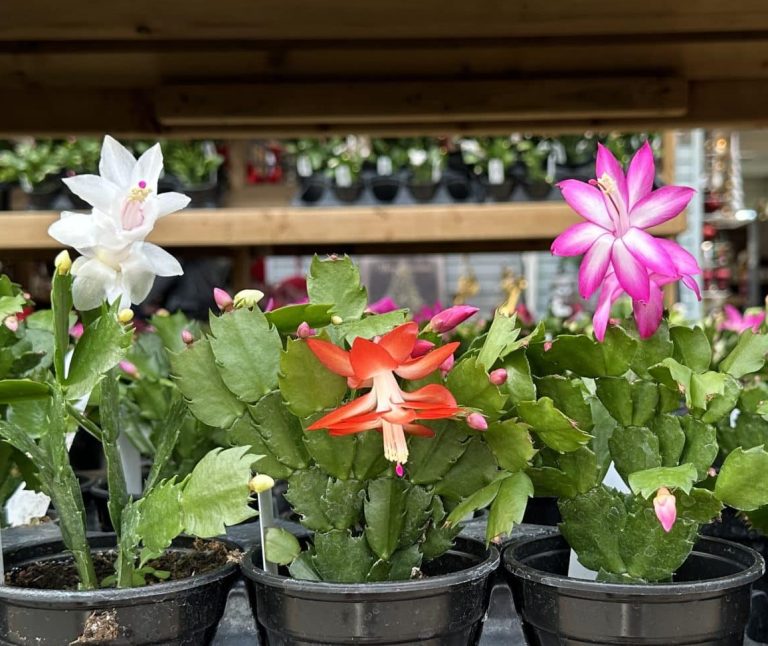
(336,281)
(306,384)
(743,479)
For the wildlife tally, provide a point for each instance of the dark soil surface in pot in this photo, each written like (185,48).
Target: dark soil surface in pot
(61,574)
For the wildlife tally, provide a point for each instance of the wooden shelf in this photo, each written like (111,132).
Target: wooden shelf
(521,224)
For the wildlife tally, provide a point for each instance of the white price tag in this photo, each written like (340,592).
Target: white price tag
(384,165)
(343,176)
(303,166)
(495,171)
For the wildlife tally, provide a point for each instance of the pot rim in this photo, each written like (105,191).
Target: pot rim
(706,586)
(110,596)
(309,589)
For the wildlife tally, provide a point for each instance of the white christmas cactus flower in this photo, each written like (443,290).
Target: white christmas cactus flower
(115,261)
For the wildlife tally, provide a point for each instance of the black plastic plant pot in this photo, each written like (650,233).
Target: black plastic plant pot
(583,172)
(459,187)
(348,194)
(499,192)
(43,196)
(177,613)
(422,192)
(445,608)
(706,605)
(311,189)
(385,188)
(203,196)
(537,189)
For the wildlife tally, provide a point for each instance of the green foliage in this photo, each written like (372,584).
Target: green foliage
(281,546)
(743,479)
(511,444)
(468,381)
(193,163)
(748,356)
(554,428)
(300,367)
(337,281)
(647,482)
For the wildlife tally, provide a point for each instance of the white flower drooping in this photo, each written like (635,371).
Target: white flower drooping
(115,262)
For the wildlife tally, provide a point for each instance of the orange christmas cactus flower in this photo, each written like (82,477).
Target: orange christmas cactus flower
(374,364)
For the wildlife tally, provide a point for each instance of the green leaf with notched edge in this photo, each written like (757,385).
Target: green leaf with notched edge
(440,536)
(288,318)
(645,400)
(469,383)
(565,474)
(576,353)
(10,305)
(385,515)
(551,425)
(618,349)
(478,500)
(199,381)
(247,351)
(343,502)
(404,562)
(303,568)
(749,431)
(245,433)
(305,495)
(648,482)
(216,493)
(569,395)
(306,384)
(691,347)
(519,386)
(721,404)
(335,455)
(371,326)
(634,448)
(432,457)
(748,356)
(103,344)
(652,350)
(418,509)
(700,444)
(369,461)
(743,479)
(22,390)
(604,424)
(700,505)
(474,469)
(511,443)
(160,518)
(671,439)
(281,546)
(337,281)
(509,506)
(280,430)
(503,332)
(340,557)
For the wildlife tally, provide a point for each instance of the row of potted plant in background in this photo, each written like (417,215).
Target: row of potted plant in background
(38,165)
(389,434)
(424,169)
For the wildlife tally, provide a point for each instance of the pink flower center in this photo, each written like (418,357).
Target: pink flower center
(132,214)
(618,213)
(388,399)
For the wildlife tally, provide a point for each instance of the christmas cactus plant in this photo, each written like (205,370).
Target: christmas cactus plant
(41,407)
(375,428)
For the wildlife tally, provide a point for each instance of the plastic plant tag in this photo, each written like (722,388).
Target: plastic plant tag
(575,569)
(131,459)
(551,164)
(436,173)
(303,166)
(343,176)
(495,171)
(384,165)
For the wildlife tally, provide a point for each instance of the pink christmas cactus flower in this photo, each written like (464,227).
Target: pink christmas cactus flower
(382,306)
(664,504)
(736,322)
(451,317)
(618,209)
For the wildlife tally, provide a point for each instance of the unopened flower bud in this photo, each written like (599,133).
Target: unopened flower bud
(11,322)
(477,422)
(248,298)
(304,331)
(399,471)
(336,319)
(446,366)
(63,263)
(162,312)
(223,300)
(498,377)
(125,315)
(187,337)
(448,319)
(76,331)
(129,369)
(261,483)
(664,505)
(421,348)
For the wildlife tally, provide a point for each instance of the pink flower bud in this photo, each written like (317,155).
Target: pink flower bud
(498,377)
(76,331)
(129,369)
(547,346)
(449,318)
(446,366)
(421,348)
(187,337)
(223,300)
(477,422)
(399,470)
(270,305)
(665,507)
(304,331)
(12,323)
(382,306)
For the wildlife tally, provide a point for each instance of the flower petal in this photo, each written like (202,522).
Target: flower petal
(684,262)
(649,252)
(422,366)
(418,430)
(332,357)
(99,192)
(137,277)
(576,239)
(148,168)
(640,175)
(369,359)
(74,230)
(160,261)
(116,163)
(168,203)
(607,164)
(632,275)
(431,394)
(648,314)
(93,282)
(587,201)
(595,264)
(399,343)
(609,293)
(661,205)
(348,412)
(690,283)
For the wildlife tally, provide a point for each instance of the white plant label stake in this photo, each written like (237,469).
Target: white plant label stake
(384,165)
(343,176)
(266,520)
(303,166)
(495,171)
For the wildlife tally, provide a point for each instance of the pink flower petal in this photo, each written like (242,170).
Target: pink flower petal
(594,265)
(684,262)
(577,239)
(587,201)
(660,206)
(608,296)
(648,315)
(632,275)
(607,164)
(690,283)
(640,175)
(648,251)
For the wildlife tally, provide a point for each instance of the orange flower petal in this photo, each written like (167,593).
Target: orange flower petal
(332,357)
(419,430)
(430,394)
(354,408)
(422,366)
(369,359)
(399,343)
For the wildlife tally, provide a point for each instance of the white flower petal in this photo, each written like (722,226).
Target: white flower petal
(160,261)
(76,230)
(148,168)
(117,162)
(97,191)
(168,203)
(137,277)
(93,281)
